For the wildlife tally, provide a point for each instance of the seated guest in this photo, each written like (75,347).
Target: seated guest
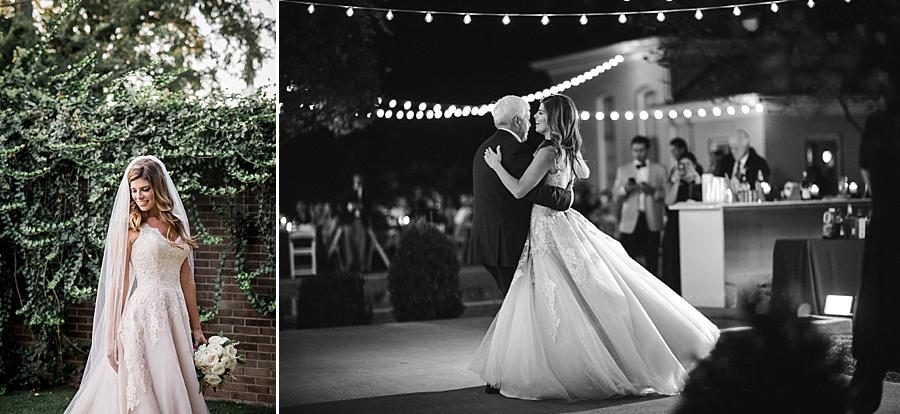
(685,185)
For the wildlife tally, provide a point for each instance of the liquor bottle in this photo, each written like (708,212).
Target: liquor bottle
(850,224)
(862,224)
(762,187)
(804,188)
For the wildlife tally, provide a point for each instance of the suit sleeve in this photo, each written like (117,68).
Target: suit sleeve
(559,199)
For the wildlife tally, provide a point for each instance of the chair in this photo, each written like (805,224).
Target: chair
(303,244)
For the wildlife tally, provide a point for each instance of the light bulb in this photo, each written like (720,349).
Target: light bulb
(614,116)
(349,11)
(687,113)
(736,11)
(428,17)
(505,19)
(629,115)
(622,18)
(467,19)
(392,103)
(698,15)
(644,115)
(774,7)
(673,114)
(583,20)
(660,17)
(701,112)
(407,105)
(311,9)
(585,115)
(390,15)
(545,20)
(422,106)
(810,4)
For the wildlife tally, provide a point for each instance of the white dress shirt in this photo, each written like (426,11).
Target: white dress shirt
(642,176)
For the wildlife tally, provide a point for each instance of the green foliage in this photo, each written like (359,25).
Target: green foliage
(782,365)
(333,299)
(55,400)
(125,35)
(64,144)
(424,276)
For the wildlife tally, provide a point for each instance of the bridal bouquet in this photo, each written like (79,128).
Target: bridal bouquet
(216,360)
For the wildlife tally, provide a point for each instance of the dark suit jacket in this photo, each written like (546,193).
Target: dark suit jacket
(754,164)
(500,222)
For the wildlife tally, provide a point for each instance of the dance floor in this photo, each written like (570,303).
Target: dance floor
(421,367)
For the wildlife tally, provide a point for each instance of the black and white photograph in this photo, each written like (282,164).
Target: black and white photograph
(643,206)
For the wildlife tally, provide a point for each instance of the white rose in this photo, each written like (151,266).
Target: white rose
(218,369)
(212,380)
(231,364)
(216,350)
(210,359)
(217,340)
(231,351)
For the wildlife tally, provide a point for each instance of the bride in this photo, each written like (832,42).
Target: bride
(146,316)
(582,320)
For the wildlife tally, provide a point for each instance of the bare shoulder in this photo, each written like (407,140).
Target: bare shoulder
(132,235)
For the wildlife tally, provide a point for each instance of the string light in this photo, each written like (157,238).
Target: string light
(582,17)
(407,105)
(629,115)
(392,103)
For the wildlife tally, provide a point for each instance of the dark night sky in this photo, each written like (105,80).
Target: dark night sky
(446,61)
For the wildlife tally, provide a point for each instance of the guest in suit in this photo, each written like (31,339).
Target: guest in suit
(685,186)
(876,322)
(746,163)
(640,186)
(500,222)
(356,209)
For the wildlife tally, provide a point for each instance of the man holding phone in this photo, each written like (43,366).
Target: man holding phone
(640,185)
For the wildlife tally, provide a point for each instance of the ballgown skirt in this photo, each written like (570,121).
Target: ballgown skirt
(583,320)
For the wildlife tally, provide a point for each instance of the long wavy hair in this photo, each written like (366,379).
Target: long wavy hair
(562,120)
(152,172)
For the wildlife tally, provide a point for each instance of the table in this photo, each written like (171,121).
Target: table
(807,270)
(726,248)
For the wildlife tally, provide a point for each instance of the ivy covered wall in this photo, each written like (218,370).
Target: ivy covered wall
(66,136)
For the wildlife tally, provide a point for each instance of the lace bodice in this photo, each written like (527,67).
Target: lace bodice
(156,261)
(562,176)
(563,173)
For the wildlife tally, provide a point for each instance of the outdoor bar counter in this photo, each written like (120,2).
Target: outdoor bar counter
(726,247)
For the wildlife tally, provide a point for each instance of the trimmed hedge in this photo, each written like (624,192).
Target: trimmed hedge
(423,279)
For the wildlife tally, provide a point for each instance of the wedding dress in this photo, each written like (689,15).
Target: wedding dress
(583,320)
(156,368)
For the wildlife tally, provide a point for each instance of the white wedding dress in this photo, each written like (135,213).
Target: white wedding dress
(583,320)
(156,365)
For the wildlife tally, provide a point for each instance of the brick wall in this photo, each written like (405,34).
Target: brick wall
(237,319)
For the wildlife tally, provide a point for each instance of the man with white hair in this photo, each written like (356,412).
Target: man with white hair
(500,221)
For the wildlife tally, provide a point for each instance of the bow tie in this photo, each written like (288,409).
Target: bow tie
(639,166)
